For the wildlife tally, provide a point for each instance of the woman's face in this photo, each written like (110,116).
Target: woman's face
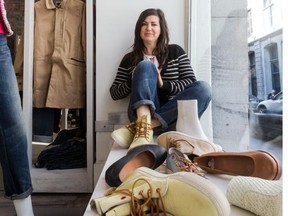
(150,30)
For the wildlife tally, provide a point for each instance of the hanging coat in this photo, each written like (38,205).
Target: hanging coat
(59,69)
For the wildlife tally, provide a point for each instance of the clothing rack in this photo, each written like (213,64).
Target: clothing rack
(73,180)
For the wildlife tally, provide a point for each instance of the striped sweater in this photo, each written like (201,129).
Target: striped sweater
(176,74)
(6,25)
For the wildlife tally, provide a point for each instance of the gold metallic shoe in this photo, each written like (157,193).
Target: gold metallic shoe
(177,161)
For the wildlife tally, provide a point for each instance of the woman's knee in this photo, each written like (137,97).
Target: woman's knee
(146,66)
(205,88)
(200,89)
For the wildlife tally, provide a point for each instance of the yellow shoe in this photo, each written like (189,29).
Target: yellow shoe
(124,135)
(143,132)
(147,191)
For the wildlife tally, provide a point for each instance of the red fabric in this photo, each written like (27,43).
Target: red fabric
(1,21)
(5,26)
(1,27)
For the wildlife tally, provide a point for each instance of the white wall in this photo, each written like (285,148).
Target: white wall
(200,51)
(114,36)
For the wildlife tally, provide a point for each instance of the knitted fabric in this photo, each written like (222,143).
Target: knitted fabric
(260,196)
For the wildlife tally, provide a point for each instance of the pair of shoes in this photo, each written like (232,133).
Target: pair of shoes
(259,196)
(134,134)
(251,163)
(186,144)
(151,156)
(148,191)
(176,161)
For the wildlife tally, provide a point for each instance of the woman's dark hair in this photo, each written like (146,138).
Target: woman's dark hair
(161,50)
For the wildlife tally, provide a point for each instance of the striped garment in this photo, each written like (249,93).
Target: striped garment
(7,27)
(176,74)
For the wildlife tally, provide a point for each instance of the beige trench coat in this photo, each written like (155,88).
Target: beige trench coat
(59,55)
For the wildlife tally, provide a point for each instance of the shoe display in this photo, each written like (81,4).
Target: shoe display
(143,132)
(186,144)
(259,196)
(124,135)
(251,163)
(149,191)
(151,156)
(177,161)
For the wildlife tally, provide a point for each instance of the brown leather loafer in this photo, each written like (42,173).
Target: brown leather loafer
(252,163)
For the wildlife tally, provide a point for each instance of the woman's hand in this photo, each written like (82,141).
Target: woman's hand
(159,78)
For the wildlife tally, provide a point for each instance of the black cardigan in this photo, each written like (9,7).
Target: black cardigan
(176,74)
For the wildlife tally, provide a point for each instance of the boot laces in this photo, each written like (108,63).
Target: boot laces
(143,130)
(182,163)
(146,205)
(131,127)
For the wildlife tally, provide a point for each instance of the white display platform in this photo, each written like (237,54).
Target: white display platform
(116,153)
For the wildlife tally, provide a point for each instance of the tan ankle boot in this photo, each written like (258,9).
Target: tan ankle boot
(143,133)
(124,135)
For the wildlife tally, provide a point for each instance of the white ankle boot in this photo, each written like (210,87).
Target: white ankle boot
(23,207)
(187,119)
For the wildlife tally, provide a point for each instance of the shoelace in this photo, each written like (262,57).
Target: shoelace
(175,143)
(131,127)
(143,129)
(188,166)
(146,204)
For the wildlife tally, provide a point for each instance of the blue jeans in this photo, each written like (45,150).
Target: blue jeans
(13,140)
(43,124)
(145,92)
